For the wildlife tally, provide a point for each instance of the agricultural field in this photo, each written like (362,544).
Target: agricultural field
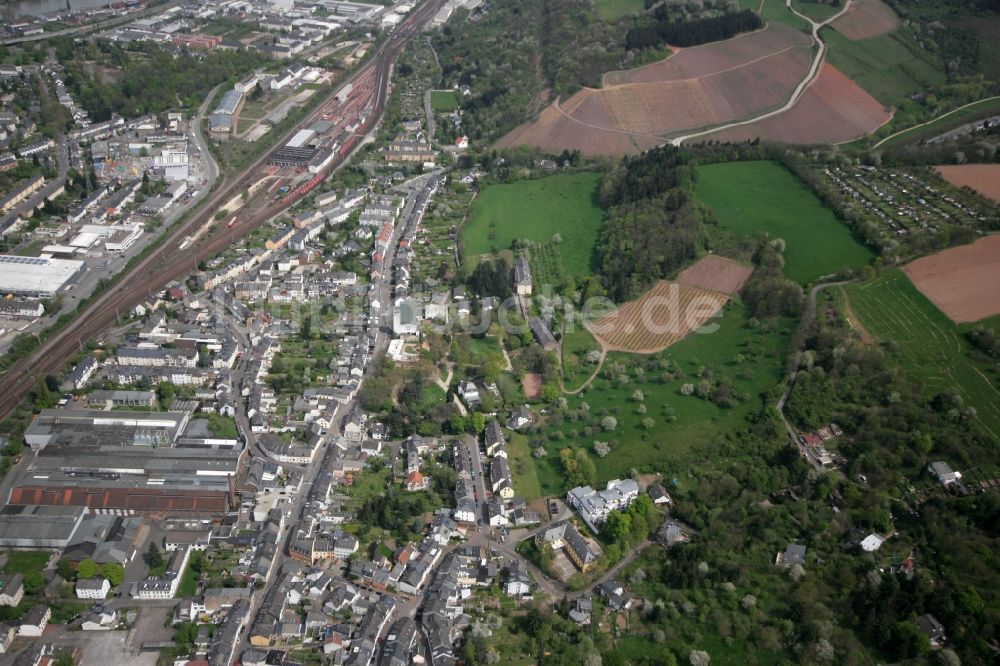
(751,198)
(883,66)
(865,19)
(931,348)
(696,87)
(663,316)
(961,281)
(443,101)
(833,109)
(707,59)
(613,10)
(666,426)
(555,131)
(716,274)
(981,178)
(537,210)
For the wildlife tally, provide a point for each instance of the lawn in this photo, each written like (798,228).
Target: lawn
(751,198)
(576,343)
(775,10)
(537,210)
(815,10)
(930,346)
(612,10)
(883,66)
(189,579)
(753,360)
(443,101)
(25,562)
(522,467)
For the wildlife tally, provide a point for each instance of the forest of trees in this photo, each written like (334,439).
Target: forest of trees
(517,50)
(148,79)
(654,222)
(693,32)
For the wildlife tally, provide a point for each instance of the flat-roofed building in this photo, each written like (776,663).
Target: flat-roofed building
(33,526)
(81,427)
(36,277)
(102,399)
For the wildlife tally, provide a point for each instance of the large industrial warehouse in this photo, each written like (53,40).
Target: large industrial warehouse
(127,463)
(36,277)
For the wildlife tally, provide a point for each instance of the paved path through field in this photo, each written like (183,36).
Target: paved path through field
(934,120)
(799,89)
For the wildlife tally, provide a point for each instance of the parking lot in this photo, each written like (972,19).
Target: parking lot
(102,648)
(562,567)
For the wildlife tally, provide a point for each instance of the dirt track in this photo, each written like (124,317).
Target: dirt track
(962,281)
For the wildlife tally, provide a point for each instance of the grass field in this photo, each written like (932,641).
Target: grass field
(522,467)
(750,198)
(25,561)
(815,10)
(444,100)
(930,347)
(752,359)
(575,345)
(537,210)
(612,10)
(883,66)
(775,10)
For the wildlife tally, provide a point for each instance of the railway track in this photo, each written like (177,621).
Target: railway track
(171,262)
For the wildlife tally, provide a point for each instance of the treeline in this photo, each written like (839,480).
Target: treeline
(768,293)
(691,33)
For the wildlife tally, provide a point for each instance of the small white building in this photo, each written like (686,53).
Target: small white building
(34,621)
(92,588)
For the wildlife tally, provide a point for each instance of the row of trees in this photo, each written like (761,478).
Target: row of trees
(692,33)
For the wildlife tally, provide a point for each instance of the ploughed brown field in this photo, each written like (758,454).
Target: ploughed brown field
(707,59)
(961,281)
(664,315)
(833,109)
(982,178)
(865,19)
(695,87)
(716,273)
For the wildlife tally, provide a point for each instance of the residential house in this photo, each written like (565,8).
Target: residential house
(33,623)
(594,506)
(794,554)
(11,589)
(932,629)
(944,474)
(518,583)
(92,588)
